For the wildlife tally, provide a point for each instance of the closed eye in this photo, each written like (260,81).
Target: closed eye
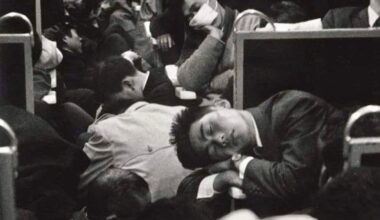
(203,136)
(210,130)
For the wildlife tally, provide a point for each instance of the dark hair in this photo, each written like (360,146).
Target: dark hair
(287,12)
(110,76)
(174,209)
(352,195)
(58,33)
(180,136)
(119,192)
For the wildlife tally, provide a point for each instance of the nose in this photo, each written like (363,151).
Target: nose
(221,139)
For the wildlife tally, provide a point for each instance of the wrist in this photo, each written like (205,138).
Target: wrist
(243,166)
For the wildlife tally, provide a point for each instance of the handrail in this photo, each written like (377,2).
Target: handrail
(253,12)
(22,17)
(8,171)
(367,110)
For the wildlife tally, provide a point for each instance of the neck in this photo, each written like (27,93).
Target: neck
(248,118)
(115,105)
(375,5)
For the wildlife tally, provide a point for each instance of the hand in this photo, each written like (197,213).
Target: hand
(213,31)
(220,166)
(165,42)
(224,180)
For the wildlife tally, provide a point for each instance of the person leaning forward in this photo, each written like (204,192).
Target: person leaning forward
(286,145)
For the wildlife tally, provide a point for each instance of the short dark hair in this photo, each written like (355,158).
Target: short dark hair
(58,32)
(352,195)
(189,158)
(117,191)
(287,12)
(174,209)
(110,76)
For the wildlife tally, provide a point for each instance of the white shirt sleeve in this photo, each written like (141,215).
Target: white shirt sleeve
(206,188)
(310,25)
(243,166)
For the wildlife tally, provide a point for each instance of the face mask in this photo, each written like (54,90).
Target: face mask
(205,16)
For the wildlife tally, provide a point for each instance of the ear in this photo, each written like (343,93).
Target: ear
(223,103)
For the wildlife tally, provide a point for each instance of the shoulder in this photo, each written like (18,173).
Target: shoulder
(291,101)
(340,17)
(344,11)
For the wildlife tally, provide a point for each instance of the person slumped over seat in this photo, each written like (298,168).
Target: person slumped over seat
(279,149)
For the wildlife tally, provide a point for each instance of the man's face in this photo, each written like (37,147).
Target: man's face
(220,133)
(191,7)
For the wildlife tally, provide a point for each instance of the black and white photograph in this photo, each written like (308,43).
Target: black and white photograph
(189,109)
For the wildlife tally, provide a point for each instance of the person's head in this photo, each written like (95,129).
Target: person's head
(202,12)
(72,4)
(287,12)
(118,80)
(204,135)
(352,195)
(119,193)
(173,209)
(67,38)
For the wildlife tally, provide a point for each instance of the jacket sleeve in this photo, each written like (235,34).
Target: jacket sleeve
(197,70)
(216,206)
(302,139)
(328,20)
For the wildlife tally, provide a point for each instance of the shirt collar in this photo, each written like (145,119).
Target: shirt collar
(257,135)
(372,16)
(146,79)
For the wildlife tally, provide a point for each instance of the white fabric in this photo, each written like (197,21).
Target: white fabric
(257,134)
(243,166)
(206,188)
(137,140)
(372,16)
(205,16)
(146,79)
(311,25)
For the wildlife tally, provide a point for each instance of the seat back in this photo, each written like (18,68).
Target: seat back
(8,169)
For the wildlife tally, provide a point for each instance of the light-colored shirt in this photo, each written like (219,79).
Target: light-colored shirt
(146,79)
(137,140)
(315,24)
(372,16)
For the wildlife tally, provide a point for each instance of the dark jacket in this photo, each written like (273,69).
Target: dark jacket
(295,128)
(346,17)
(48,166)
(159,88)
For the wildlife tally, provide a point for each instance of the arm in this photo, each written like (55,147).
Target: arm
(196,71)
(300,130)
(99,150)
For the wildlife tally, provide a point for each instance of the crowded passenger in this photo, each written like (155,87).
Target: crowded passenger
(120,80)
(278,167)
(113,133)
